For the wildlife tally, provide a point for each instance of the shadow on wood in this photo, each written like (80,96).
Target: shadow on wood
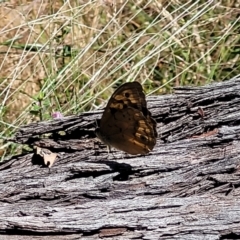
(186,188)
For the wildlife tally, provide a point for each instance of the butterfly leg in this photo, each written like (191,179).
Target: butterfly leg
(109,149)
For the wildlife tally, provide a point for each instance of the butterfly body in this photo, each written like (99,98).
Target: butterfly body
(126,123)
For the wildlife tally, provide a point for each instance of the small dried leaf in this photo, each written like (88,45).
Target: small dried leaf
(48,156)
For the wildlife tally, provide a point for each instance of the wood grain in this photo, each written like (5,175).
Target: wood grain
(187,188)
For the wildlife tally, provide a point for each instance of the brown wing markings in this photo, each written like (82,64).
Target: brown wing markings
(126,123)
(136,128)
(130,94)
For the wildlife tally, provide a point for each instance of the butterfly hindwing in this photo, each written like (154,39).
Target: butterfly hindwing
(126,123)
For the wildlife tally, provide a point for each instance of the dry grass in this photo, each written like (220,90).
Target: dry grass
(66,57)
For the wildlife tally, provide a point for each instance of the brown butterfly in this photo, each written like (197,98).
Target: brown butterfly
(126,123)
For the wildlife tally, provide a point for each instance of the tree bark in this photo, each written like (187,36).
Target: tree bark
(186,188)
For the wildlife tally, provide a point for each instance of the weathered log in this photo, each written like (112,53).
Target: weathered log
(186,188)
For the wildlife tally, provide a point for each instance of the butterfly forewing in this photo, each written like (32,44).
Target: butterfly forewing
(126,123)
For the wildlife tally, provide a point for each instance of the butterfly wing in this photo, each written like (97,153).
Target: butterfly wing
(128,130)
(126,123)
(130,95)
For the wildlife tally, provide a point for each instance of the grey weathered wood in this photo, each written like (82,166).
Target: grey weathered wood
(186,188)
